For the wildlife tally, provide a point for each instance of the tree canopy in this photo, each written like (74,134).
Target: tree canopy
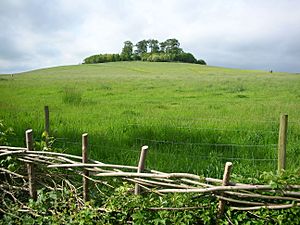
(148,50)
(127,51)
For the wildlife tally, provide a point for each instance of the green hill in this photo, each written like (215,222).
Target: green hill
(194,118)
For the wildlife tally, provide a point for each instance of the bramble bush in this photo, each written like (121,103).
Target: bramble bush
(122,207)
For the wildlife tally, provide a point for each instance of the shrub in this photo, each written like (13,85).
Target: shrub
(185,57)
(201,62)
(5,132)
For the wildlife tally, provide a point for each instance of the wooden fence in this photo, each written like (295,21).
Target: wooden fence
(238,196)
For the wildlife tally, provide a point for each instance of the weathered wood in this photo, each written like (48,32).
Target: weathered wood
(12,173)
(283,206)
(226,178)
(37,153)
(37,160)
(11,148)
(260,196)
(12,152)
(47,125)
(233,194)
(141,167)
(219,181)
(150,175)
(91,165)
(252,203)
(30,166)
(195,183)
(282,140)
(9,186)
(176,209)
(85,184)
(287,193)
(163,184)
(47,122)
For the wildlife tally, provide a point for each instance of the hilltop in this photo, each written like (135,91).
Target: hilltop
(148,50)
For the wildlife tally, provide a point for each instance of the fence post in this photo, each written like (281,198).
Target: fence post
(30,166)
(141,167)
(226,178)
(85,172)
(47,124)
(282,140)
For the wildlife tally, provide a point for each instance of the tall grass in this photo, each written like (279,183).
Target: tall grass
(71,95)
(194,118)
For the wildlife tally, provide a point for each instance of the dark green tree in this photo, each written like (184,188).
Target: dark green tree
(162,46)
(167,51)
(185,57)
(153,45)
(141,47)
(172,46)
(201,62)
(127,51)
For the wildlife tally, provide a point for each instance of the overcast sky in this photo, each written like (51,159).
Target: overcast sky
(250,34)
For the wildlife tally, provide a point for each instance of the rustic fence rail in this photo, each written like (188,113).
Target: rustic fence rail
(238,196)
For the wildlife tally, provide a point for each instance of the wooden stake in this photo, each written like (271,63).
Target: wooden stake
(47,123)
(282,139)
(226,178)
(85,172)
(30,167)
(141,167)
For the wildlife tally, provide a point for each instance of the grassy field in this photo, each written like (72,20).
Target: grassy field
(194,118)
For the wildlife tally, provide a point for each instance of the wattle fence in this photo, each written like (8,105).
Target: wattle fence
(39,164)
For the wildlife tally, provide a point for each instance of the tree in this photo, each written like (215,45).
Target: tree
(167,51)
(127,51)
(172,46)
(162,46)
(116,57)
(153,45)
(142,47)
(186,57)
(201,62)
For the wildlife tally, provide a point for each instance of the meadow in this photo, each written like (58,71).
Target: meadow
(194,118)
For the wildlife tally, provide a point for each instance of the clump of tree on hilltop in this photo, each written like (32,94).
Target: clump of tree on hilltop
(148,50)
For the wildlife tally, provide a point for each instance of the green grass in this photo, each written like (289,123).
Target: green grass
(194,118)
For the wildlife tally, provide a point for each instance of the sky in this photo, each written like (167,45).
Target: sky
(247,34)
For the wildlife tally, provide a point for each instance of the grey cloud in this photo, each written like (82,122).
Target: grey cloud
(38,16)
(8,50)
(249,34)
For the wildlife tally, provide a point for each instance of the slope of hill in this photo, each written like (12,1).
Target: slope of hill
(193,117)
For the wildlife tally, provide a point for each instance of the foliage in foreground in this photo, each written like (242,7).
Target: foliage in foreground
(62,203)
(122,207)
